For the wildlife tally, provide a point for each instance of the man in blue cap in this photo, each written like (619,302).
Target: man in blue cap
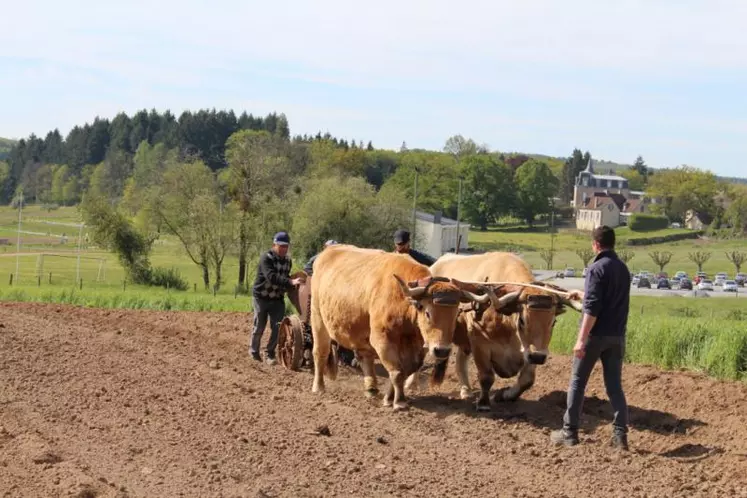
(270,286)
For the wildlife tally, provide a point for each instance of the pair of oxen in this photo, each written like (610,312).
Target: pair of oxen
(387,306)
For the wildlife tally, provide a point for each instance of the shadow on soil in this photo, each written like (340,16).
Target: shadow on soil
(547,412)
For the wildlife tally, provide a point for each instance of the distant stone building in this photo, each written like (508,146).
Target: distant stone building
(604,200)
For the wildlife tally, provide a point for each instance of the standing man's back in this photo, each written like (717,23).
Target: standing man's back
(601,336)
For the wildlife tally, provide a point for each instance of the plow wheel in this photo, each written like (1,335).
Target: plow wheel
(290,342)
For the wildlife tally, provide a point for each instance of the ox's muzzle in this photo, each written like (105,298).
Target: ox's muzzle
(441,353)
(537,358)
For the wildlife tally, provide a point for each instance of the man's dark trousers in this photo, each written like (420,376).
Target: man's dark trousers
(274,309)
(611,350)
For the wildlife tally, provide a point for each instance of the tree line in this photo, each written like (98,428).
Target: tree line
(222,184)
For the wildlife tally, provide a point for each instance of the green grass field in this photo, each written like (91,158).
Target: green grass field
(708,335)
(567,241)
(705,335)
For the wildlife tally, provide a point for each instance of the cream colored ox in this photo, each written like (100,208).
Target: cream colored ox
(360,299)
(510,336)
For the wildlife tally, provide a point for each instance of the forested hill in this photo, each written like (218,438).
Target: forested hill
(59,169)
(6,145)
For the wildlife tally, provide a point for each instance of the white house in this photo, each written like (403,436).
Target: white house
(437,235)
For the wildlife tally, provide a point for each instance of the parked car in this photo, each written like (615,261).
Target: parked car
(706,284)
(674,282)
(570,272)
(644,282)
(719,281)
(635,280)
(680,274)
(730,286)
(663,283)
(583,273)
(740,279)
(686,284)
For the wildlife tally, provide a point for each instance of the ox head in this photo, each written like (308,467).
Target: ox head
(436,301)
(536,313)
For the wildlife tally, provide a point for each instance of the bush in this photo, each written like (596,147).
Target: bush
(169,278)
(673,237)
(647,222)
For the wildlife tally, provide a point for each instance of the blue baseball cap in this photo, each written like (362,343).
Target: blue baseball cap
(331,242)
(281,239)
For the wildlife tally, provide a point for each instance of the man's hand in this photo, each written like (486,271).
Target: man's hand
(579,349)
(576,295)
(297,281)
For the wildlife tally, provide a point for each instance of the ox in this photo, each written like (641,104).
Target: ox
(360,299)
(509,336)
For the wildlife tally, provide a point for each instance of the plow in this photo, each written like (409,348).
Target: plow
(295,339)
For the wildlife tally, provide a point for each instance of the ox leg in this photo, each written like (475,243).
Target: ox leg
(462,373)
(524,382)
(321,351)
(485,375)
(396,395)
(370,382)
(415,382)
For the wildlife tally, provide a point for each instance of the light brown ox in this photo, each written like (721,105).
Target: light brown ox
(359,299)
(508,337)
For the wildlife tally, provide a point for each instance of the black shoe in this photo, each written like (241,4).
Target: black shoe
(564,436)
(619,441)
(256,357)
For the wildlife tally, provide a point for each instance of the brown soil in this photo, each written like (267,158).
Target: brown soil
(126,403)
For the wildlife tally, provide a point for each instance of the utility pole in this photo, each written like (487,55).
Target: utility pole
(414,210)
(459,217)
(77,269)
(552,225)
(18,240)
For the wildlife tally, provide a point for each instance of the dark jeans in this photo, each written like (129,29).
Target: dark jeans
(611,350)
(264,309)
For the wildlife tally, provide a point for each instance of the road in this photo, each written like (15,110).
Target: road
(578,283)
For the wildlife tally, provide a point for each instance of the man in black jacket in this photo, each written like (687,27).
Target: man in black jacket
(270,286)
(601,336)
(402,246)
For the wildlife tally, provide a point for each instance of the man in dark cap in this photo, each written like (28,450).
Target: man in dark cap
(309,268)
(402,246)
(270,286)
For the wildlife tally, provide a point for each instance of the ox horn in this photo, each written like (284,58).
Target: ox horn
(501,302)
(471,296)
(412,293)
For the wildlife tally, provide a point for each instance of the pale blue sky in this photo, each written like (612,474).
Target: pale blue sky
(664,79)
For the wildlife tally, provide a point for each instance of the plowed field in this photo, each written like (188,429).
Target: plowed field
(133,403)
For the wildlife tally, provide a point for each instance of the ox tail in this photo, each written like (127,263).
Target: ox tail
(439,373)
(331,369)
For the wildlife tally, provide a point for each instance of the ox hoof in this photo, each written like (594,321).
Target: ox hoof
(465,393)
(371,393)
(401,407)
(503,395)
(317,389)
(483,406)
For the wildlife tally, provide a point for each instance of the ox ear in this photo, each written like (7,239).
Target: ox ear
(410,292)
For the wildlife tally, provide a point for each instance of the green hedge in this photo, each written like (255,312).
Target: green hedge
(647,222)
(646,241)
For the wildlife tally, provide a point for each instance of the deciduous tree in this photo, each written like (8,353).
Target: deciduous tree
(535,185)
(699,258)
